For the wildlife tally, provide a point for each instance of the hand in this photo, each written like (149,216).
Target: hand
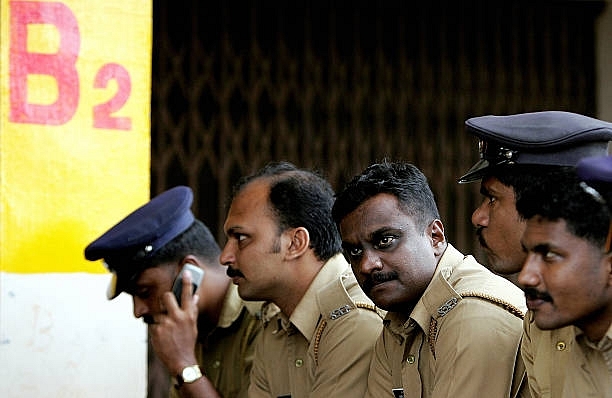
(174,333)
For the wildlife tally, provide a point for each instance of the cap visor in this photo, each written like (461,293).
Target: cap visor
(475,172)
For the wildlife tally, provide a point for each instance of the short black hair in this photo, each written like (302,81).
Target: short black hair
(300,198)
(196,240)
(561,196)
(520,177)
(401,179)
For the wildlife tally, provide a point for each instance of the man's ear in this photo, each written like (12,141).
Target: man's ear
(608,265)
(299,242)
(191,259)
(436,233)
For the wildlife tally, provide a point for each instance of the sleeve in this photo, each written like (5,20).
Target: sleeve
(344,355)
(527,348)
(476,351)
(248,343)
(258,386)
(380,378)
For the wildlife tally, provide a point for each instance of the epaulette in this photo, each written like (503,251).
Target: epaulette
(450,304)
(334,302)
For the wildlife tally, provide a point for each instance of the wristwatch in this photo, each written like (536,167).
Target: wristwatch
(189,374)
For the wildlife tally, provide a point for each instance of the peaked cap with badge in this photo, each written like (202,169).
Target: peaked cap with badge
(126,247)
(555,138)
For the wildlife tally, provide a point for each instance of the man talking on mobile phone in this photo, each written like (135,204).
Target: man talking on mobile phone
(206,341)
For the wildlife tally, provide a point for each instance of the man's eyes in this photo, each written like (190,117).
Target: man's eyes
(385,242)
(142,294)
(550,256)
(380,244)
(354,252)
(490,198)
(238,236)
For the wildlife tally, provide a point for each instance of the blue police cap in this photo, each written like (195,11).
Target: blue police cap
(554,138)
(126,246)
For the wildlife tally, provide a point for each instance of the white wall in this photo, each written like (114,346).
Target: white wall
(61,337)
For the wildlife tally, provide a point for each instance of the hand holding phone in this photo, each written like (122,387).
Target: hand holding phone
(196,278)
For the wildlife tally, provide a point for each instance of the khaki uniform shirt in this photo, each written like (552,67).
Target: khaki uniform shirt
(324,349)
(562,363)
(226,354)
(462,338)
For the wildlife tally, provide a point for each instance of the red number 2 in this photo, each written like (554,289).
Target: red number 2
(102,114)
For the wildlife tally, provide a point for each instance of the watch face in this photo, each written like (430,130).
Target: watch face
(190,374)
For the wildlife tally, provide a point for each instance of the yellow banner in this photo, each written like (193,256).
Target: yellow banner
(75,127)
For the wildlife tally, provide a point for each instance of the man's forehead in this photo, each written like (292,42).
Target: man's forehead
(254,195)
(492,183)
(251,219)
(152,275)
(244,206)
(374,219)
(545,226)
(382,206)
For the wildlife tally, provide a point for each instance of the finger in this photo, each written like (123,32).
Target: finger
(169,303)
(187,292)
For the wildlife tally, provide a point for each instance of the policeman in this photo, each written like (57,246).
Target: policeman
(567,277)
(453,328)
(145,253)
(283,247)
(517,151)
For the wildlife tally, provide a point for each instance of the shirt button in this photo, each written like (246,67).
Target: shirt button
(299,363)
(216,364)
(410,359)
(561,345)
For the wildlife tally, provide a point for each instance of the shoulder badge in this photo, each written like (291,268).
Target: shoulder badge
(446,307)
(338,312)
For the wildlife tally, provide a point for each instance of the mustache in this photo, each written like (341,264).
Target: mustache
(148,319)
(533,294)
(231,272)
(481,238)
(377,278)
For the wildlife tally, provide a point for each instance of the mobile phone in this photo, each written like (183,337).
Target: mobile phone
(196,278)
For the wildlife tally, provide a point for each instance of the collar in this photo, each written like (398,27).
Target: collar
(439,297)
(303,317)
(605,344)
(609,332)
(232,307)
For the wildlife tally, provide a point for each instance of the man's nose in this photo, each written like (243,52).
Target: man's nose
(480,216)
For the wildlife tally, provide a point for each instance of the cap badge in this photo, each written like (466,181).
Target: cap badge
(497,155)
